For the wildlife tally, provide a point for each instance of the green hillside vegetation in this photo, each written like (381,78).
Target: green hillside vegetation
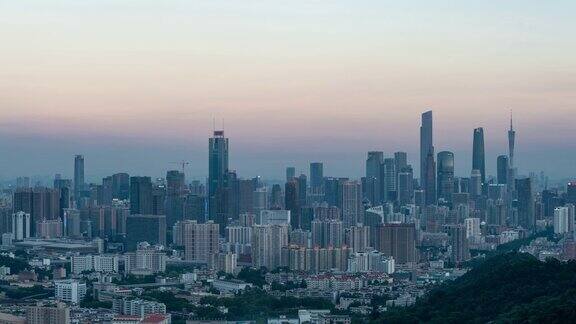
(510,287)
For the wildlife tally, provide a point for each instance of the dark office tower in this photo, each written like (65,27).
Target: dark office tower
(526,216)
(159,200)
(445,175)
(398,241)
(316,176)
(405,186)
(105,195)
(145,228)
(502,166)
(292,202)
(388,185)
(175,197)
(333,191)
(217,168)
(229,209)
(302,193)
(195,208)
(373,177)
(571,193)
(65,188)
(426,146)
(121,186)
(430,181)
(79,183)
(290,173)
(246,189)
(478,158)
(276,199)
(140,195)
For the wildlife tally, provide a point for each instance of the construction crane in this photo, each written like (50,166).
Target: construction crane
(182,164)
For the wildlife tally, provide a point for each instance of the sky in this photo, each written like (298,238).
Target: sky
(135,85)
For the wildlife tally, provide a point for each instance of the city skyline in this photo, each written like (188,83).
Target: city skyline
(196,167)
(139,91)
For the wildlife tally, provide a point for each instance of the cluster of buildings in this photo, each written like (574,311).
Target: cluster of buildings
(337,233)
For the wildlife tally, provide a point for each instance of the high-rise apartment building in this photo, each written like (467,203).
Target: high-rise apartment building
(352,210)
(398,241)
(200,240)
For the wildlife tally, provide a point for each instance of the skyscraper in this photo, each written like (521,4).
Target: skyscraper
(427,167)
(526,216)
(478,158)
(316,176)
(217,168)
(373,177)
(445,175)
(512,169)
(400,165)
(121,186)
(140,195)
(459,243)
(511,140)
(175,197)
(145,228)
(267,244)
(430,180)
(292,202)
(398,241)
(405,186)
(475,183)
(79,183)
(200,240)
(389,177)
(352,211)
(290,173)
(502,169)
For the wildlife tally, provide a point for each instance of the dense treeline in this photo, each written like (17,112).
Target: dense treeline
(511,287)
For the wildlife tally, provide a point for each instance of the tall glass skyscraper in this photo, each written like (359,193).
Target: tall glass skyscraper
(373,176)
(79,183)
(217,168)
(427,164)
(478,157)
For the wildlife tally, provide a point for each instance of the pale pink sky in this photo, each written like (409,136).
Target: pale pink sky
(136,84)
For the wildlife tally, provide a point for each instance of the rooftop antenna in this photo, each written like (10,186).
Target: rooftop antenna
(213,124)
(511,127)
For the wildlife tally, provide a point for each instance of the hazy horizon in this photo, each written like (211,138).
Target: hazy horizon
(135,85)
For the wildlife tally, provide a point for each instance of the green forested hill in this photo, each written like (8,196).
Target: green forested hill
(506,288)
